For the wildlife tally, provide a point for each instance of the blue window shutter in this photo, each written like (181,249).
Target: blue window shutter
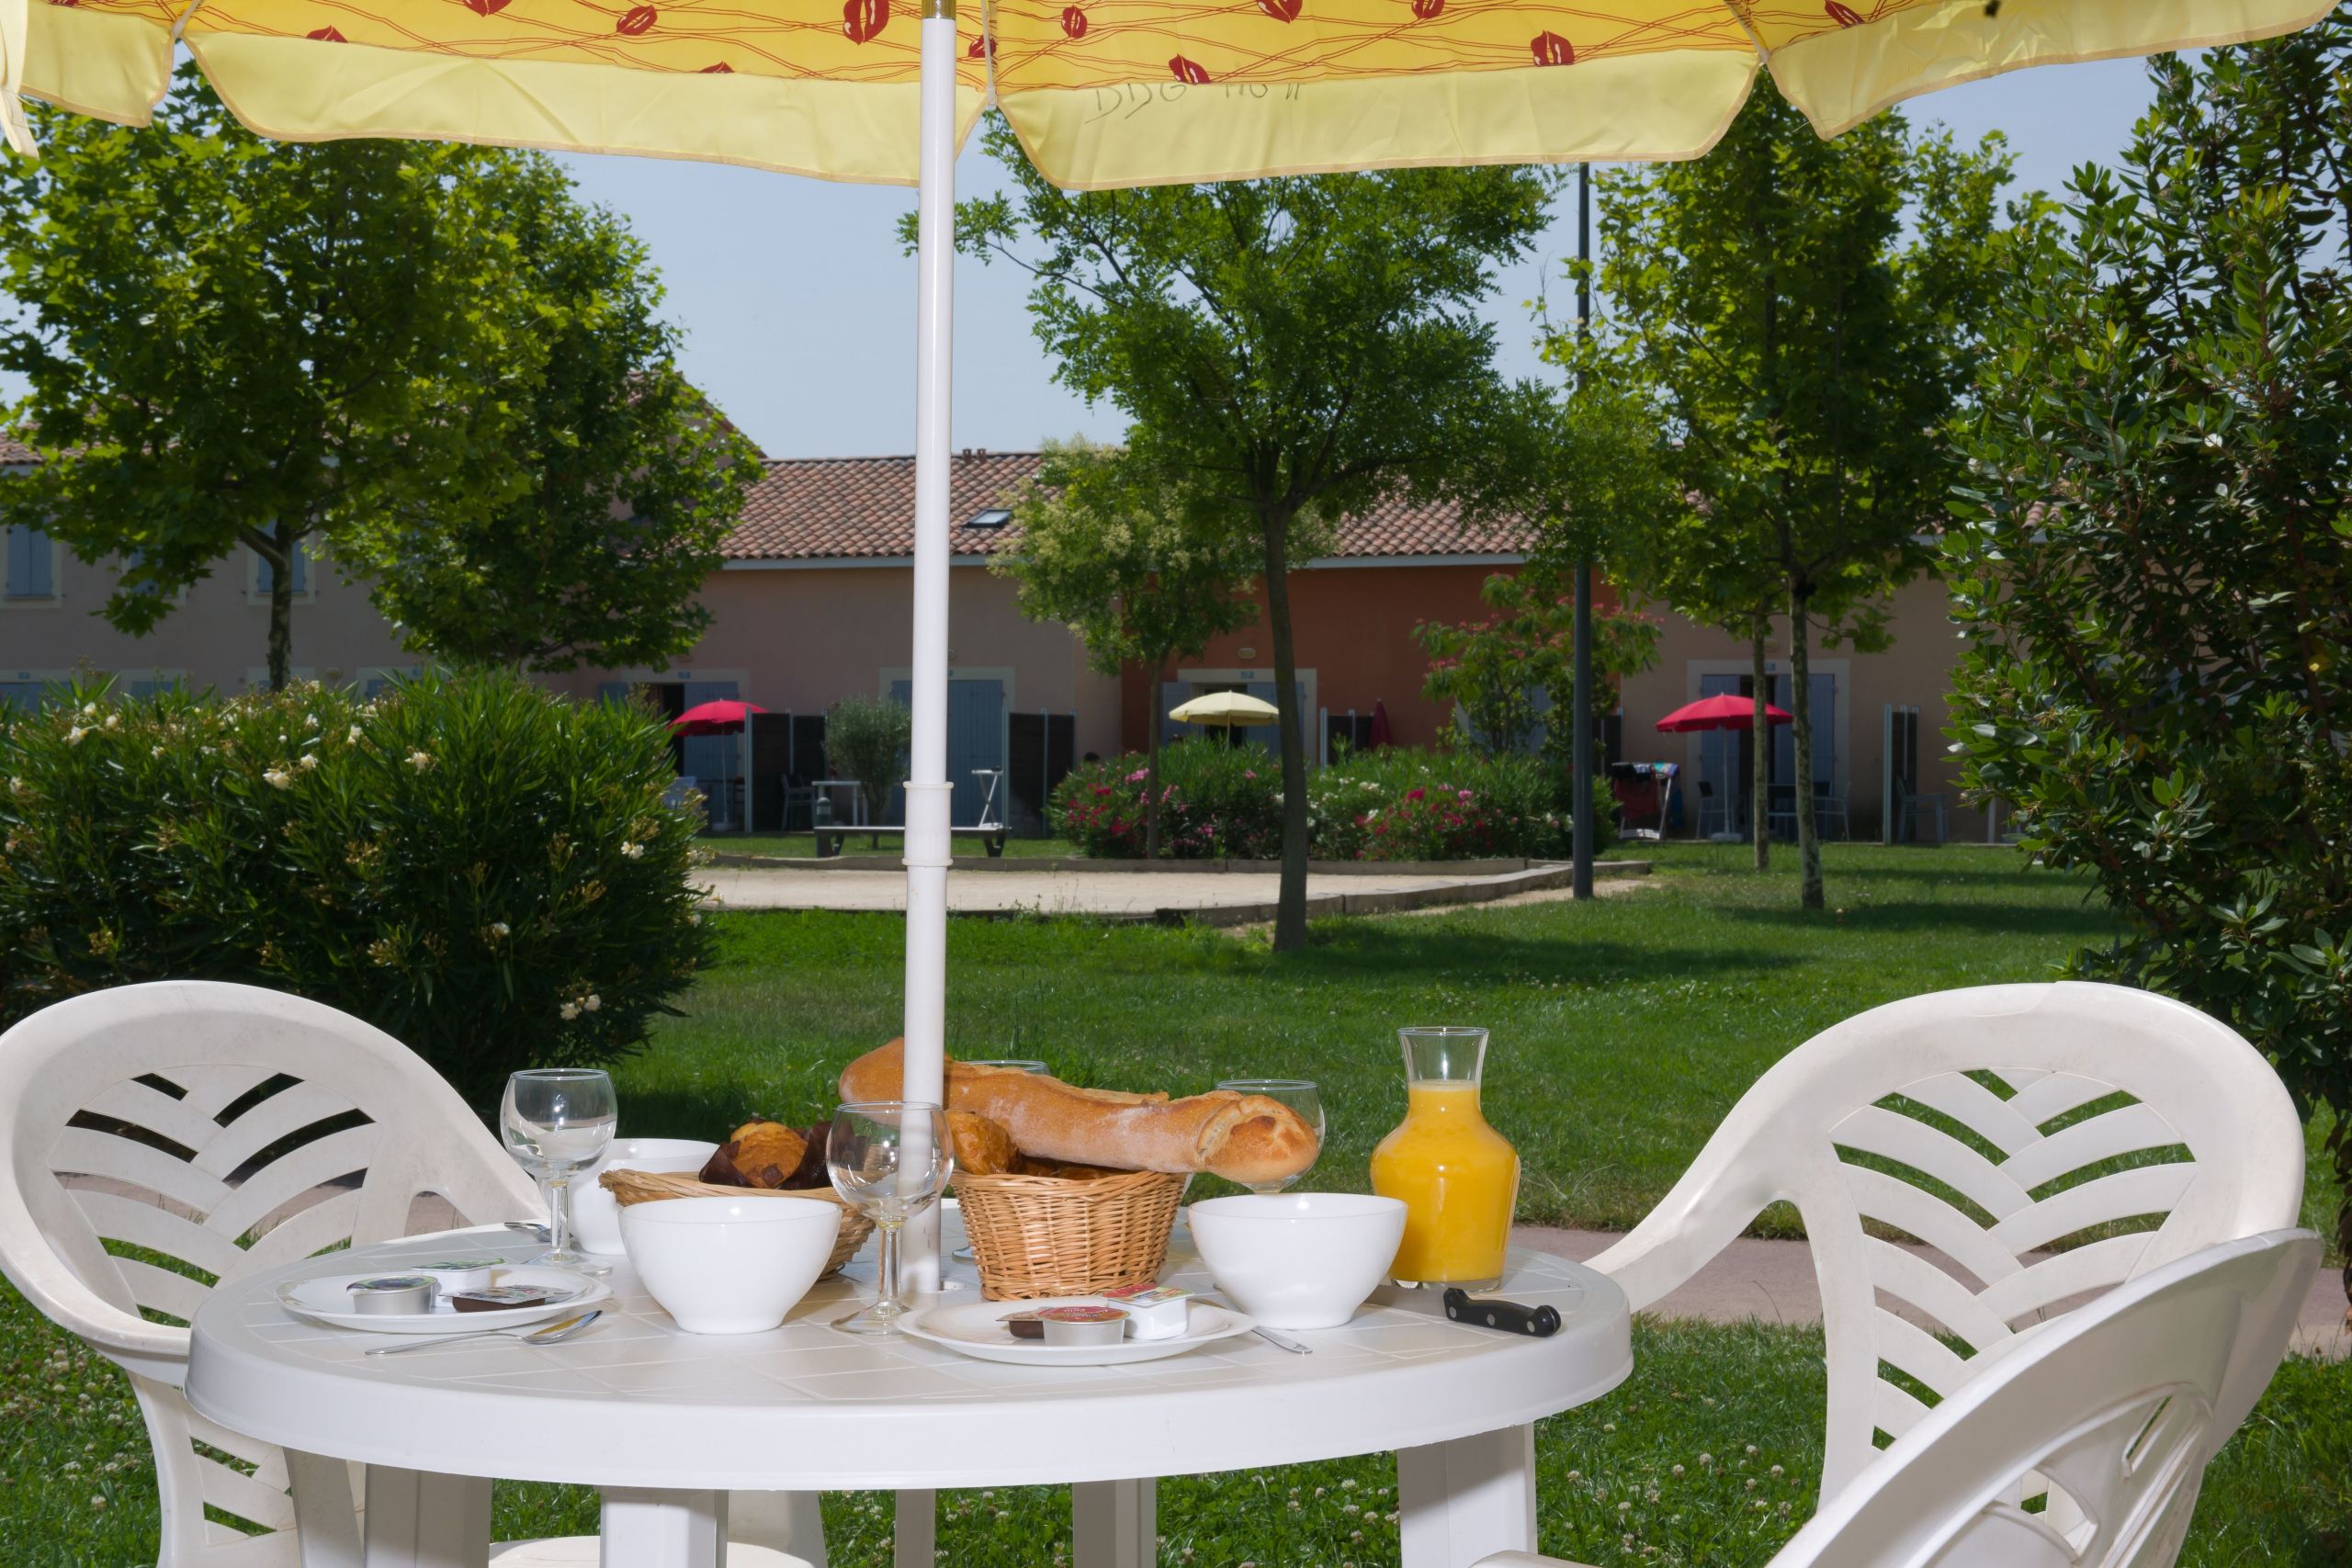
(301,567)
(265,576)
(30,564)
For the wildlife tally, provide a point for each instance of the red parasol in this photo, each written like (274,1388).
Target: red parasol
(1726,711)
(726,716)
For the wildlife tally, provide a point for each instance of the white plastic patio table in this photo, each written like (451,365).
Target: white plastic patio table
(666,1423)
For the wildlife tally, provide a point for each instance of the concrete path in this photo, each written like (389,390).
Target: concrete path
(1773,1282)
(1210,898)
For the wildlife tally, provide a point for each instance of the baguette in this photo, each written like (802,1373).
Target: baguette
(1244,1138)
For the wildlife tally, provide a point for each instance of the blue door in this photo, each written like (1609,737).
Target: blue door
(710,759)
(975,739)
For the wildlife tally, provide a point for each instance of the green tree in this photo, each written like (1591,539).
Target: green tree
(867,738)
(231,341)
(1116,553)
(1290,352)
(1813,311)
(622,483)
(2153,559)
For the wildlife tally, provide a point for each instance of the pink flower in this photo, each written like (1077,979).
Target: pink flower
(1462,795)
(1249,773)
(1140,775)
(1417,793)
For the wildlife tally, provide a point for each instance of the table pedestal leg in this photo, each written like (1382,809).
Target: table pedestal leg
(1116,1524)
(1465,1499)
(325,1513)
(418,1520)
(664,1529)
(914,1528)
(790,1522)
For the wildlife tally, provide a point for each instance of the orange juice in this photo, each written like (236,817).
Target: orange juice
(1459,1181)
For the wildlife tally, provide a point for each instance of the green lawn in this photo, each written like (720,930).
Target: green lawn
(1624,1030)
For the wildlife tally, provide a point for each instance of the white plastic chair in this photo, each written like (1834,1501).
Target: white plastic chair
(216,1127)
(2068,1080)
(2116,1409)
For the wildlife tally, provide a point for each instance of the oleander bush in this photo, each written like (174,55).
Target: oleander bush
(1391,804)
(1216,802)
(483,870)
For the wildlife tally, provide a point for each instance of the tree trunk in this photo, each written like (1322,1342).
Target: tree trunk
(1801,704)
(2342,1139)
(1151,767)
(1290,909)
(281,603)
(1760,747)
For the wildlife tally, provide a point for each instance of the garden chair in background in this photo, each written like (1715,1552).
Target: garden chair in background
(153,1135)
(2108,1417)
(1912,806)
(1829,812)
(1992,1123)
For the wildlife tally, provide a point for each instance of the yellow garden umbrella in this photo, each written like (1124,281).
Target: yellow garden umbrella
(1225,709)
(1101,91)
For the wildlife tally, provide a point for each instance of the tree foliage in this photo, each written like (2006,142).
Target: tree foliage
(1812,310)
(866,740)
(2152,558)
(1112,549)
(231,341)
(1495,667)
(1290,352)
(622,481)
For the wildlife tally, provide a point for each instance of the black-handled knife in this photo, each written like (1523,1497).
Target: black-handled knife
(1510,1316)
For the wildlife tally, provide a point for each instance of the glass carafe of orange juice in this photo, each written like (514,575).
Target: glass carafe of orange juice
(1458,1177)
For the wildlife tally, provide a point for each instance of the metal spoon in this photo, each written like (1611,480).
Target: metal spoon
(541,1333)
(536,1233)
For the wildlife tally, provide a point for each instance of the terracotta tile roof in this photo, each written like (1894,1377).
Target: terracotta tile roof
(15,451)
(862,508)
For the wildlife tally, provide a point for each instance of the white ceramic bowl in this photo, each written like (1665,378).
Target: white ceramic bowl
(596,1218)
(1301,1259)
(729,1264)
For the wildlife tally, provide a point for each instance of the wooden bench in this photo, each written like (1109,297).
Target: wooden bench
(831,836)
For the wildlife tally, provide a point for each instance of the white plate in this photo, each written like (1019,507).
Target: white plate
(977,1328)
(328,1300)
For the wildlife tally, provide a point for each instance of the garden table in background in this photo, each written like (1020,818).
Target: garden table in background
(667,1423)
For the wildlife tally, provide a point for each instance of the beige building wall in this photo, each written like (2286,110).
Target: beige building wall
(217,637)
(1916,671)
(796,638)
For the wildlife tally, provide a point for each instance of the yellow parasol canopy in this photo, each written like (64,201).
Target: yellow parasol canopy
(1230,709)
(1101,91)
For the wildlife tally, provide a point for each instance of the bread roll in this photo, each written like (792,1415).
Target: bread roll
(765,1154)
(983,1147)
(1244,1138)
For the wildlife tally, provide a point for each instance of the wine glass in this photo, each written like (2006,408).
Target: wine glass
(964,1253)
(558,1121)
(890,1160)
(1301,1096)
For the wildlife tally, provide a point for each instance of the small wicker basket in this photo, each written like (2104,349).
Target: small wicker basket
(1049,1235)
(628,1187)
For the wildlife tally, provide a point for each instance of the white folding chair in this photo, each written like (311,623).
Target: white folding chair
(2085,1445)
(1989,1123)
(227,1130)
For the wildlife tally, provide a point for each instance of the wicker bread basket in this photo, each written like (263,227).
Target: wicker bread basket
(628,1187)
(1049,1235)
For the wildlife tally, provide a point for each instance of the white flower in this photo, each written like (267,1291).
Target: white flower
(308,760)
(2223,490)
(278,778)
(89,710)
(114,721)
(592,1003)
(353,735)
(157,753)
(310,721)
(420,760)
(632,851)
(694,917)
(73,736)
(568,1012)
(499,930)
(2214,441)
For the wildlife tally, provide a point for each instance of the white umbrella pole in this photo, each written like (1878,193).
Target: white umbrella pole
(928,791)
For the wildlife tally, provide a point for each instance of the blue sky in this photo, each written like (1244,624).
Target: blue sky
(800,308)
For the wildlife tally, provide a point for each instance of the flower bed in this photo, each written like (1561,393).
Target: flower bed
(1220,801)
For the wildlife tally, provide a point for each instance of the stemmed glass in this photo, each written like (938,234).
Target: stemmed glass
(1301,1096)
(888,1158)
(558,1121)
